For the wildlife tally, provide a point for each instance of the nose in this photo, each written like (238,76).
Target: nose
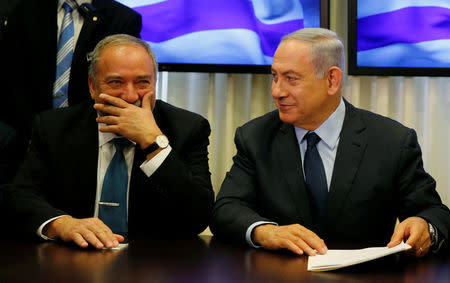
(277,89)
(130,93)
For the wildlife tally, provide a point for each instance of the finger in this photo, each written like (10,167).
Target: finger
(79,240)
(397,237)
(92,239)
(107,109)
(289,245)
(146,100)
(305,247)
(110,129)
(113,100)
(311,239)
(414,236)
(119,238)
(109,120)
(106,236)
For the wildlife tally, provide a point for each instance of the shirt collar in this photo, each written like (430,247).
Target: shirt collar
(79,2)
(330,130)
(104,138)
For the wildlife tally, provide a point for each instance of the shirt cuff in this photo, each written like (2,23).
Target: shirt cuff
(248,234)
(39,230)
(150,166)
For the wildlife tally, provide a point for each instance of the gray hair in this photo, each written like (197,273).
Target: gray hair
(117,40)
(327,49)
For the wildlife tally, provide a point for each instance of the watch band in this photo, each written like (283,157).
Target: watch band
(161,141)
(433,236)
(151,148)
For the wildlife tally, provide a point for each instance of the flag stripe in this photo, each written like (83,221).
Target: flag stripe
(408,25)
(177,18)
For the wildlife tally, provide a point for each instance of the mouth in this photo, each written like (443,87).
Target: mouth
(284,106)
(138,103)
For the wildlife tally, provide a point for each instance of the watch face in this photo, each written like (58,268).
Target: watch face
(162,141)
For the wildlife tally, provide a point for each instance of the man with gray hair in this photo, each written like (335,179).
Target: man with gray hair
(319,172)
(126,164)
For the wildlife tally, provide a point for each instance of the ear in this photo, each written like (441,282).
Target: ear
(334,80)
(92,87)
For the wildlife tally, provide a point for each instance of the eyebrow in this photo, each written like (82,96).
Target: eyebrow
(288,72)
(146,76)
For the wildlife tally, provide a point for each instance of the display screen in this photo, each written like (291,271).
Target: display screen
(399,37)
(222,35)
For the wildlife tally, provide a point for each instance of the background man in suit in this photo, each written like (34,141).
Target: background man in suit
(61,184)
(29,42)
(319,170)
(8,156)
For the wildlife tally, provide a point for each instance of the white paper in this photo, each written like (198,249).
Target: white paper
(120,247)
(335,259)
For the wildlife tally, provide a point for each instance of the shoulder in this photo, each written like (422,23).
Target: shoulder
(379,121)
(377,125)
(168,111)
(263,126)
(64,120)
(179,122)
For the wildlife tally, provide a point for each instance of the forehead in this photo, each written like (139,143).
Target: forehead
(125,56)
(293,55)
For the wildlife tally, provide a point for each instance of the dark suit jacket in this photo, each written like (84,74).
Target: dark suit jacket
(59,174)
(378,176)
(9,150)
(8,153)
(29,60)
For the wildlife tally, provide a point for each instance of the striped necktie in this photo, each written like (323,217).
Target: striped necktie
(64,59)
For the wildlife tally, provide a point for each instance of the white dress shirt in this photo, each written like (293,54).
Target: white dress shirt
(105,154)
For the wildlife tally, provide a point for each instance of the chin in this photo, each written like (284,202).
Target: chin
(286,118)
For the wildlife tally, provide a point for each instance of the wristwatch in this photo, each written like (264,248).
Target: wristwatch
(161,141)
(432,234)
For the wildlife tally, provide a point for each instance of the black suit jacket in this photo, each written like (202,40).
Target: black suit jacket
(59,174)
(378,176)
(9,150)
(29,60)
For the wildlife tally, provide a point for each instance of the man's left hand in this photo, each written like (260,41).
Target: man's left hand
(128,120)
(415,231)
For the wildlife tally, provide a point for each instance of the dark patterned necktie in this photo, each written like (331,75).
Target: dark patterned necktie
(316,182)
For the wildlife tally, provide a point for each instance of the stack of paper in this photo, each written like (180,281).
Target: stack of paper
(335,259)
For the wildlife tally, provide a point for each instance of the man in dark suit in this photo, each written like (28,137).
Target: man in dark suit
(29,44)
(320,172)
(58,190)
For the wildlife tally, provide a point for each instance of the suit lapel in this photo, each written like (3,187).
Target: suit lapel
(90,25)
(352,144)
(288,154)
(90,145)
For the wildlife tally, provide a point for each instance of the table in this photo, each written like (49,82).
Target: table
(201,259)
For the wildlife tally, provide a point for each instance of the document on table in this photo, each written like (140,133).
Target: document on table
(335,259)
(120,247)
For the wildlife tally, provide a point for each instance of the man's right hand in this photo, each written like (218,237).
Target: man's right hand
(295,238)
(83,232)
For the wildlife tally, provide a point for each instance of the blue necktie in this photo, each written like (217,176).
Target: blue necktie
(316,182)
(63,59)
(113,202)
